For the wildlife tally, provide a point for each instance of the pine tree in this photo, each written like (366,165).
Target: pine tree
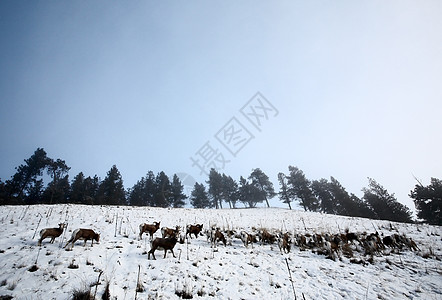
(111,190)
(143,192)
(230,190)
(26,179)
(56,169)
(362,208)
(215,183)
(177,195)
(428,201)
(58,191)
(135,194)
(91,186)
(299,188)
(199,198)
(343,202)
(77,192)
(385,205)
(3,194)
(249,194)
(149,189)
(284,194)
(262,182)
(83,190)
(321,190)
(162,190)
(35,192)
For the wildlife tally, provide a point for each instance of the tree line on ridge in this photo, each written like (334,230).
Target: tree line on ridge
(26,186)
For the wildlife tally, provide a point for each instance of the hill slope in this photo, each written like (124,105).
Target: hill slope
(231,272)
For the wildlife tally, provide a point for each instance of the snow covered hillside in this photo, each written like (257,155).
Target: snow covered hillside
(225,272)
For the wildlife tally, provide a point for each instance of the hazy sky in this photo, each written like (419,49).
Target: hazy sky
(349,89)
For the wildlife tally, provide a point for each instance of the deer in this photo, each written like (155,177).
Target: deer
(83,234)
(51,232)
(164,243)
(149,228)
(195,229)
(169,232)
(218,236)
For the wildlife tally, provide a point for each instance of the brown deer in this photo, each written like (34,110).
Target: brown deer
(83,234)
(51,232)
(149,228)
(165,243)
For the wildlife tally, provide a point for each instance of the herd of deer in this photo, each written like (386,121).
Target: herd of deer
(331,245)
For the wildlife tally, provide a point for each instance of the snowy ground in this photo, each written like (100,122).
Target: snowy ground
(232,272)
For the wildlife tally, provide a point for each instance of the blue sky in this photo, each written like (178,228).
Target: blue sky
(355,87)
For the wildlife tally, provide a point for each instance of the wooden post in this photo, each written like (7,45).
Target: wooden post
(64,231)
(98,281)
(38,253)
(187,248)
(35,232)
(138,282)
(290,277)
(116,223)
(24,213)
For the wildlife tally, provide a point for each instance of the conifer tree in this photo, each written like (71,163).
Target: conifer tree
(249,194)
(230,190)
(342,201)
(262,182)
(177,195)
(111,190)
(149,189)
(299,188)
(91,185)
(136,193)
(385,205)
(57,169)
(25,185)
(321,190)
(284,195)
(215,183)
(428,201)
(77,192)
(199,198)
(162,191)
